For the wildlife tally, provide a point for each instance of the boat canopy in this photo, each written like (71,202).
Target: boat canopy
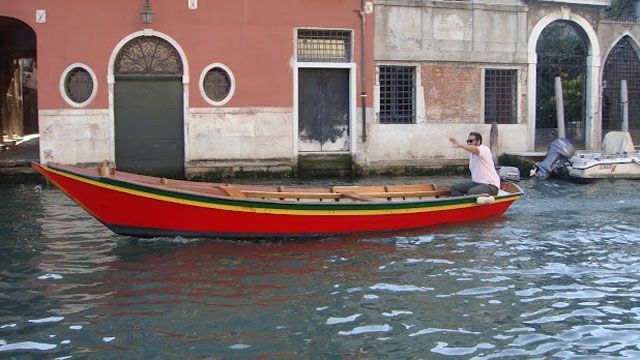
(617,142)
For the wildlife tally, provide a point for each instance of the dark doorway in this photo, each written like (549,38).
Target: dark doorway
(323,110)
(18,84)
(562,51)
(148,108)
(622,64)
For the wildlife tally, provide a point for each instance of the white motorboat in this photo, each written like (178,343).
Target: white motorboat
(618,159)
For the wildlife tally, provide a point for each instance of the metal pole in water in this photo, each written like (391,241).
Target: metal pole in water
(559,107)
(624,105)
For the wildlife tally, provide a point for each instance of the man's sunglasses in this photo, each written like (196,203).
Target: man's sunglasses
(470,141)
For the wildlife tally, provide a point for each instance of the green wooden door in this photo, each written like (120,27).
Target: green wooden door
(149,125)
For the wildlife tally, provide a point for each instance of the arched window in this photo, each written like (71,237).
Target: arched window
(148,55)
(622,64)
(562,51)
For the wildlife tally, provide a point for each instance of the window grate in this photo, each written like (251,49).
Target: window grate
(397,94)
(78,85)
(622,64)
(500,96)
(324,45)
(562,51)
(217,84)
(150,56)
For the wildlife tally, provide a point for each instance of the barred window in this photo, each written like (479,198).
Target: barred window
(500,96)
(397,94)
(78,85)
(317,45)
(217,84)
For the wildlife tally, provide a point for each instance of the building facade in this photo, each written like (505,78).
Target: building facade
(195,86)
(253,85)
(473,63)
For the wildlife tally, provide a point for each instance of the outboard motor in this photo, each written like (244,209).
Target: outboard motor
(560,151)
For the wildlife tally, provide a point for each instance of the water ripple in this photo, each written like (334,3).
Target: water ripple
(556,277)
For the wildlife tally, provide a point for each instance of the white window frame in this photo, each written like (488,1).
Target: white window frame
(63,79)
(232,78)
(518,103)
(421,112)
(351,66)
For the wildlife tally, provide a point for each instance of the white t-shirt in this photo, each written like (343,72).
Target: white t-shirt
(483,171)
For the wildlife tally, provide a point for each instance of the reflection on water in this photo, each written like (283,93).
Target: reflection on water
(557,276)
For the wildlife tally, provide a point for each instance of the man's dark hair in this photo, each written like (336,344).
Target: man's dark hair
(477,136)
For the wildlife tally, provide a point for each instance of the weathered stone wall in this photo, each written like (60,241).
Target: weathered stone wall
(77,136)
(255,138)
(235,133)
(450,44)
(421,30)
(225,140)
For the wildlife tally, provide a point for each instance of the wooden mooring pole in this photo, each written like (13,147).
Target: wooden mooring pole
(560,107)
(493,141)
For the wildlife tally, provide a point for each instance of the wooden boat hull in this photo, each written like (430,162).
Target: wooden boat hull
(141,211)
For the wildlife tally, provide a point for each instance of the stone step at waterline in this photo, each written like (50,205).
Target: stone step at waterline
(311,165)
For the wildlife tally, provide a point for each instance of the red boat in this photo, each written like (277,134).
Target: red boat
(145,206)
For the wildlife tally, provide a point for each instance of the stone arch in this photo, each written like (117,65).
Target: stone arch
(593,74)
(19,112)
(626,33)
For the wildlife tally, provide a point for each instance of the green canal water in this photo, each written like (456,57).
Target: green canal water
(558,277)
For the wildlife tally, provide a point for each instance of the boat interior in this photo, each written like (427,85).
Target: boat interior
(338,193)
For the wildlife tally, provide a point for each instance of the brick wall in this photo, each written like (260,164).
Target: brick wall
(453,93)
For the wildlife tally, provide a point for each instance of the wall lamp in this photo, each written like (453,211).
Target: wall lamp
(146,14)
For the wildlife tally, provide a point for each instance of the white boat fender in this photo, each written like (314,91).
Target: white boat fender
(485,200)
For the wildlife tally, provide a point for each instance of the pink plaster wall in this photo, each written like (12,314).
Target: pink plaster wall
(254,38)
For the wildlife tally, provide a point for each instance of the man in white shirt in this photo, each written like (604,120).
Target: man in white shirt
(484,178)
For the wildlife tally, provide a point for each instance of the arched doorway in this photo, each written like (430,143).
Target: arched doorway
(562,50)
(148,108)
(18,85)
(622,64)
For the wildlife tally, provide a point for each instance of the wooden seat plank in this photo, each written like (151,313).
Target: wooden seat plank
(416,187)
(399,194)
(232,191)
(358,197)
(357,189)
(291,195)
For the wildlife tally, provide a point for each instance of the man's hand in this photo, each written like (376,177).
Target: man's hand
(470,148)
